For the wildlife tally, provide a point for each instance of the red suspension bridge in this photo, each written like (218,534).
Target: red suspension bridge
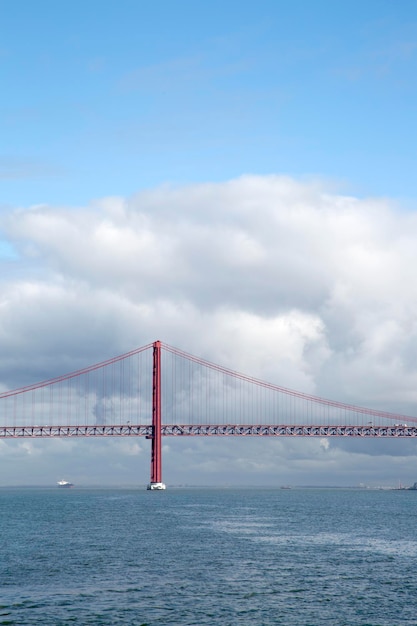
(158,390)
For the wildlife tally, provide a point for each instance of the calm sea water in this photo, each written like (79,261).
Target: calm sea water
(258,557)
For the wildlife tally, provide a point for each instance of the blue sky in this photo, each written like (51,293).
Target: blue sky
(236,179)
(107,98)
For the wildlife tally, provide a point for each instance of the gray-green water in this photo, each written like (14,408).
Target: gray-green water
(230,557)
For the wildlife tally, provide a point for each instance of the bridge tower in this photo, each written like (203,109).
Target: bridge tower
(156,454)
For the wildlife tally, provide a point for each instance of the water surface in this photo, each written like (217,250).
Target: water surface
(199,557)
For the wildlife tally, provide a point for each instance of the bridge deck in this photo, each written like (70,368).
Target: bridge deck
(180,430)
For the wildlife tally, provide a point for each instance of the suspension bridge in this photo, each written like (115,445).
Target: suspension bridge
(159,391)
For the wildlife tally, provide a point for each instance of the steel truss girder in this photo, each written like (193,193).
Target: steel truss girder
(184,430)
(126,430)
(289,431)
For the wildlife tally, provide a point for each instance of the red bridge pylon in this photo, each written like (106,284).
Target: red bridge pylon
(156,454)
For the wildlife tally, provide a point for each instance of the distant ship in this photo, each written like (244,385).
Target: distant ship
(64,483)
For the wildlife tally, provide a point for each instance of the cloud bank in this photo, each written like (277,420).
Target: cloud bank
(278,278)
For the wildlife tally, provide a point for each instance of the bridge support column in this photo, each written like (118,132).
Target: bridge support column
(156,454)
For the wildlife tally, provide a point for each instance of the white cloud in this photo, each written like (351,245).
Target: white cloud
(269,276)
